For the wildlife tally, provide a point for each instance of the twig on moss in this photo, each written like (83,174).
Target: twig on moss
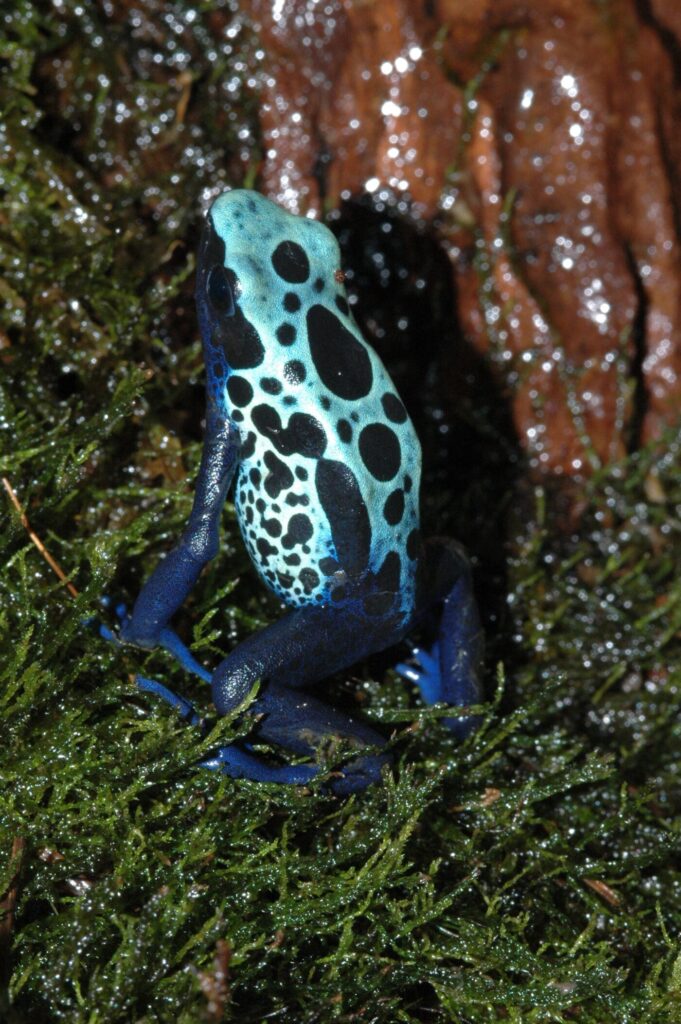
(52,562)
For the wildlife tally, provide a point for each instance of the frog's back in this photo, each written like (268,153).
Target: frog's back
(327,489)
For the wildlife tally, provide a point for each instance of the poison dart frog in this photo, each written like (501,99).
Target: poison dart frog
(304,420)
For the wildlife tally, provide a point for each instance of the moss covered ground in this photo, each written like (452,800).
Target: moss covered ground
(528,875)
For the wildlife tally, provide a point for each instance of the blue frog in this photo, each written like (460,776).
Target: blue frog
(304,419)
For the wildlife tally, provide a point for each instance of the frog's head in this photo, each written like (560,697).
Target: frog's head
(260,270)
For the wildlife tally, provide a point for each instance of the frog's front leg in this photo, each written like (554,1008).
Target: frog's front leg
(450,672)
(172,580)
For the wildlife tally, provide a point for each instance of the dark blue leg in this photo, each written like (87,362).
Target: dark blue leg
(233,760)
(299,723)
(172,580)
(449,672)
(299,649)
(174,577)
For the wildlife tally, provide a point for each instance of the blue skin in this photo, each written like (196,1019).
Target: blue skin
(303,416)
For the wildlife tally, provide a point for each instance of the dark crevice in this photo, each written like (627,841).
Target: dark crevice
(634,429)
(667,37)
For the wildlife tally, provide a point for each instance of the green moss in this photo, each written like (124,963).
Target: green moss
(529,875)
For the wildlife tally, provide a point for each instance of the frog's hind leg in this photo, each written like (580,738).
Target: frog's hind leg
(449,671)
(300,724)
(302,647)
(284,712)
(233,760)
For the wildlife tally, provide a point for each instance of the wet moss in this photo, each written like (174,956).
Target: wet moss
(529,875)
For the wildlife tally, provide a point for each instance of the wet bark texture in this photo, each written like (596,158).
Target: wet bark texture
(536,140)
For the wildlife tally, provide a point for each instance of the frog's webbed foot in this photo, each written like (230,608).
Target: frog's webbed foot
(434,681)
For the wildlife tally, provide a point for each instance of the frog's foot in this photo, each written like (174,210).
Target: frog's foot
(425,673)
(435,686)
(167,638)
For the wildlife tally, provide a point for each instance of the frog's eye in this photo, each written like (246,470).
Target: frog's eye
(220,291)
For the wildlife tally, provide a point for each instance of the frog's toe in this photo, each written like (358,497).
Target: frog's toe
(105,632)
(185,707)
(171,642)
(425,673)
(94,624)
(240,764)
(120,609)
